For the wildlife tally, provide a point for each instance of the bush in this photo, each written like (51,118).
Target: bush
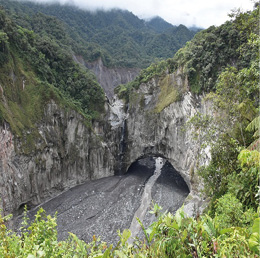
(229,211)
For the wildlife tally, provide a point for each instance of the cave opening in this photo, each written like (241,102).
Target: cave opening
(29,205)
(169,189)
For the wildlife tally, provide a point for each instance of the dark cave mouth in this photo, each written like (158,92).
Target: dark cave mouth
(147,164)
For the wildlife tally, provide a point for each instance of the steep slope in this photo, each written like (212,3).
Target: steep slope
(228,77)
(42,92)
(56,129)
(46,146)
(110,78)
(113,44)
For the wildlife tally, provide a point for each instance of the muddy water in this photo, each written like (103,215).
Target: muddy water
(101,207)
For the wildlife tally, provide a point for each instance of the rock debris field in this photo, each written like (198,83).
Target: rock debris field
(104,206)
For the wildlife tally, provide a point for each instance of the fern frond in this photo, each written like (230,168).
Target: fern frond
(254,125)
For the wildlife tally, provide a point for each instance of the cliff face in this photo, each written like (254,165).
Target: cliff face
(110,78)
(68,152)
(165,133)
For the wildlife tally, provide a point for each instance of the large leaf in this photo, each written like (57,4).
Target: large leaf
(254,240)
(256,226)
(209,227)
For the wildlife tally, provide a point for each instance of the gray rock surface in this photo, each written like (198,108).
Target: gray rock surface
(110,78)
(67,153)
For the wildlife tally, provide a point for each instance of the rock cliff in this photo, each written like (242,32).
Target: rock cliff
(68,151)
(164,133)
(109,78)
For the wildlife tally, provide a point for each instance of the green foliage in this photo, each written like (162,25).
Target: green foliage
(157,70)
(222,59)
(254,240)
(228,132)
(229,211)
(159,25)
(169,236)
(4,48)
(118,37)
(254,126)
(169,92)
(37,69)
(247,180)
(235,104)
(180,236)
(211,50)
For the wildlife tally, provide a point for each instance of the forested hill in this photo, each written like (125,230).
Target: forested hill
(35,70)
(119,37)
(159,25)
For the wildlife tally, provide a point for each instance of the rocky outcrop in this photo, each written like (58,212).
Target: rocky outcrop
(110,78)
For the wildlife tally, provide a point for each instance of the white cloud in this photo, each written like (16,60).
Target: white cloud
(202,13)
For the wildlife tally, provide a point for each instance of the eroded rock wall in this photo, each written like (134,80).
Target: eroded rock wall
(110,78)
(67,152)
(166,133)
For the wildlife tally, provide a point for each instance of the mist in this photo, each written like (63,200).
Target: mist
(199,13)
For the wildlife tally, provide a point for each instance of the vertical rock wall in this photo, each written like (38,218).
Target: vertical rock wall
(165,133)
(109,78)
(67,152)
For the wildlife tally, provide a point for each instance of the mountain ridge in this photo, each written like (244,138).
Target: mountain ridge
(119,37)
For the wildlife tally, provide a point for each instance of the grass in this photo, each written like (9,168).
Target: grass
(170,92)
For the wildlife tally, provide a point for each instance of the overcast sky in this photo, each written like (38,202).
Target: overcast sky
(202,13)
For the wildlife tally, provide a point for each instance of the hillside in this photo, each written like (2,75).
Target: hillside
(35,70)
(159,25)
(119,37)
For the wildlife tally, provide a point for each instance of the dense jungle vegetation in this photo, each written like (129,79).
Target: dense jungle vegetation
(36,69)
(220,62)
(118,37)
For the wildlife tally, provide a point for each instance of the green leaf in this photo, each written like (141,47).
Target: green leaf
(254,242)
(120,254)
(179,216)
(106,254)
(126,234)
(256,226)
(209,227)
(40,253)
(168,220)
(184,235)
(225,230)
(175,225)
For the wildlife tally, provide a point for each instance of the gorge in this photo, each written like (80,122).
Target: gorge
(60,131)
(182,132)
(68,153)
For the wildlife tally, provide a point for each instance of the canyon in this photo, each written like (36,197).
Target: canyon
(69,152)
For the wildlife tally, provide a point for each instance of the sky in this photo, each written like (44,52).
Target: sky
(201,13)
